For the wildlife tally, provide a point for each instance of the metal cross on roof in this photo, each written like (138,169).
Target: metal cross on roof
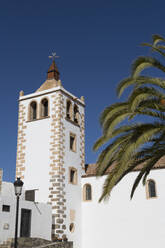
(53,56)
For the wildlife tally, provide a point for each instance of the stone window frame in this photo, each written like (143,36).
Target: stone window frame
(147,189)
(69,112)
(72,215)
(75,180)
(40,108)
(75,142)
(29,111)
(84,192)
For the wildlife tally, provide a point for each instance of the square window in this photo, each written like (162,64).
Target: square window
(30,195)
(72,142)
(5,208)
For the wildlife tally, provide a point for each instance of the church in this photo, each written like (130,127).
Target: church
(51,163)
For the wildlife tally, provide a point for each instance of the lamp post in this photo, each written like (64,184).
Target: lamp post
(18,190)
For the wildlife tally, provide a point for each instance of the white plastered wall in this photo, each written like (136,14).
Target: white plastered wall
(121,222)
(40,219)
(36,174)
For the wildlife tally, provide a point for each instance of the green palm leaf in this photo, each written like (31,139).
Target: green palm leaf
(156,39)
(141,94)
(142,63)
(141,80)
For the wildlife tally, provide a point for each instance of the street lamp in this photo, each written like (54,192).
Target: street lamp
(18,190)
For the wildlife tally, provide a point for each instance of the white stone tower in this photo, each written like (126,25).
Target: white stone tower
(50,152)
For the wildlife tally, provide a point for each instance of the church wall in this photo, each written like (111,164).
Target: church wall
(121,222)
(37,158)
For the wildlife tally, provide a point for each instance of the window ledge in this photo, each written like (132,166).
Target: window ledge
(38,119)
(73,122)
(73,183)
(150,198)
(72,150)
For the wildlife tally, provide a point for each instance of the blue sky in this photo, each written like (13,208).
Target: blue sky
(96,42)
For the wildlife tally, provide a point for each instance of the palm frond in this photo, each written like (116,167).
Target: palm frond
(152,103)
(142,63)
(143,93)
(154,48)
(161,47)
(107,186)
(144,172)
(157,156)
(109,153)
(113,122)
(138,178)
(102,140)
(138,81)
(148,112)
(112,111)
(156,39)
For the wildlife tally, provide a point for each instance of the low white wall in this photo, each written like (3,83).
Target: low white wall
(41,218)
(121,222)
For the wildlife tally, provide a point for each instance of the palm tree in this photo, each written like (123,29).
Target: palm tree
(130,143)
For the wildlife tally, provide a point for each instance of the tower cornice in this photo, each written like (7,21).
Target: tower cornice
(49,91)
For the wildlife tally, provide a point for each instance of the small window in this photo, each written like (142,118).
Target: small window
(44,108)
(5,208)
(33,111)
(30,195)
(76,114)
(72,142)
(72,175)
(151,189)
(87,192)
(71,227)
(69,109)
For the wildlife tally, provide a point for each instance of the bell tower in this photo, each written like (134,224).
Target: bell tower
(50,152)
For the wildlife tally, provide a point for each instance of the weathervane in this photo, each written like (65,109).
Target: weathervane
(53,56)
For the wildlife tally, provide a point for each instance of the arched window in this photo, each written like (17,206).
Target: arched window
(69,109)
(76,114)
(87,192)
(151,188)
(33,111)
(44,108)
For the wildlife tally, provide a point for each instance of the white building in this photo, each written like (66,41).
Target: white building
(34,218)
(50,158)
(122,222)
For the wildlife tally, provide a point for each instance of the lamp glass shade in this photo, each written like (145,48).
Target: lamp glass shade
(18,184)
(18,190)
